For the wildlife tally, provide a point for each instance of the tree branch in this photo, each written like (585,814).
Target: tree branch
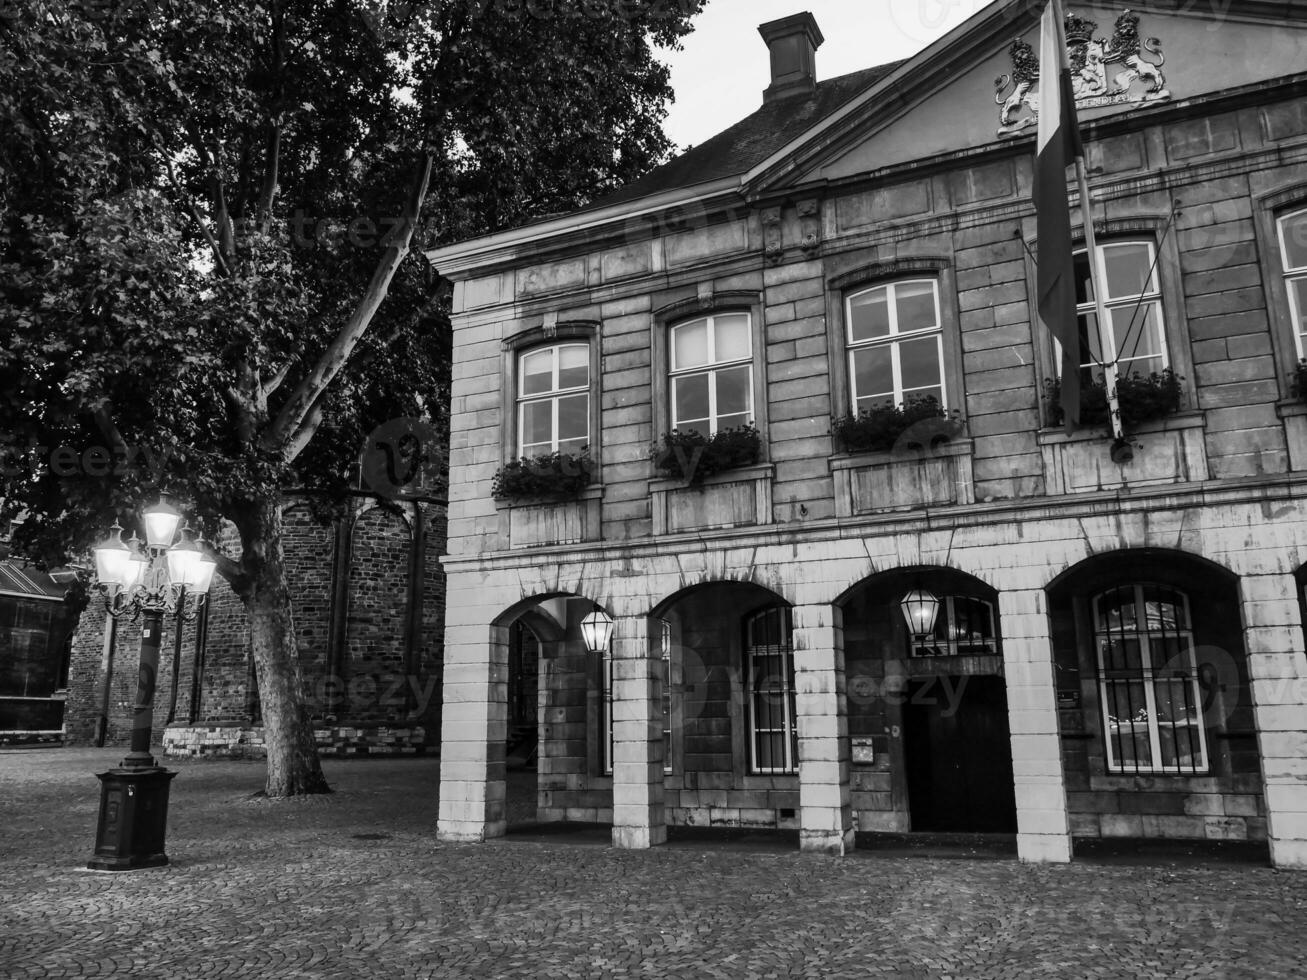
(286,429)
(199,221)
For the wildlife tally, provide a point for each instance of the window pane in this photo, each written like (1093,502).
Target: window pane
(690,400)
(537,423)
(1136,335)
(919,362)
(732,337)
(573,367)
(1121,653)
(1090,349)
(690,345)
(1127,268)
(1084,288)
(573,417)
(916,306)
(868,315)
(733,386)
(1298,294)
(1293,232)
(873,374)
(538,371)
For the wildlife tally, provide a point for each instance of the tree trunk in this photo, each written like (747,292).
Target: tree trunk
(293,766)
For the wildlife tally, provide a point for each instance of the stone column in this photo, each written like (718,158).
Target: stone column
(1043,827)
(638,816)
(473,729)
(1277,669)
(825,798)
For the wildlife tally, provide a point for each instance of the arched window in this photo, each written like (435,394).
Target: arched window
(553,399)
(712,373)
(1148,681)
(1293,256)
(896,344)
(769,672)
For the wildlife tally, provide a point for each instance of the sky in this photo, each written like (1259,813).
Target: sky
(720,74)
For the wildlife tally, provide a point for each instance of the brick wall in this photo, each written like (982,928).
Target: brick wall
(375,627)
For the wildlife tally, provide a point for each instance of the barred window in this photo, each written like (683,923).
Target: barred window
(1148,681)
(769,662)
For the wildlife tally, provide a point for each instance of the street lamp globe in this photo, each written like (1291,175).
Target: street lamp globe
(112,557)
(161,520)
(597,630)
(920,607)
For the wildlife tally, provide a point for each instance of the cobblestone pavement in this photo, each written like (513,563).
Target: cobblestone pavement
(354,885)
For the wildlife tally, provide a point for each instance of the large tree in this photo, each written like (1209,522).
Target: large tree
(211,221)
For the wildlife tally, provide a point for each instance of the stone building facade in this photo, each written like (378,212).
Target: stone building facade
(368,599)
(1118,648)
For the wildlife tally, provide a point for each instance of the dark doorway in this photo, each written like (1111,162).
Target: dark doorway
(523,696)
(959,755)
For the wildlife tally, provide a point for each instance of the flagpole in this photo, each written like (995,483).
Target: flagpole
(1096,278)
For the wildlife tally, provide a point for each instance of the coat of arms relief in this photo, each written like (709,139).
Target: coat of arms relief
(1103,72)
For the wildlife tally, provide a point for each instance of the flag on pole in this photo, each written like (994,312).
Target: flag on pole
(1057,147)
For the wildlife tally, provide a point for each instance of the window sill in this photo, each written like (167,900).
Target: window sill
(1290,408)
(1057,435)
(593,492)
(755,472)
(849,460)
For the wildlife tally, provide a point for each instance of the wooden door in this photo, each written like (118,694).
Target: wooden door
(959,755)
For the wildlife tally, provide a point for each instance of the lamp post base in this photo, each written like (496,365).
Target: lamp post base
(133,821)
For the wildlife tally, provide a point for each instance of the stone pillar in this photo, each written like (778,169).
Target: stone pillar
(1277,669)
(473,729)
(638,816)
(825,797)
(1043,827)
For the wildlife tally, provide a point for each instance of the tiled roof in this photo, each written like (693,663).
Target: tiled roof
(17,578)
(752,139)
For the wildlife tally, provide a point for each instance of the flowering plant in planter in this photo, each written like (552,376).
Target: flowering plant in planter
(1143,398)
(691,456)
(1299,376)
(882,427)
(558,475)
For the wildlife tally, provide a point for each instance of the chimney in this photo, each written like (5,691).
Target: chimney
(793,42)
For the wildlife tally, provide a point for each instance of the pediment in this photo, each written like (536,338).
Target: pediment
(979,86)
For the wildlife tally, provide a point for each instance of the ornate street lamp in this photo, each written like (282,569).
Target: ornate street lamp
(920,607)
(597,630)
(161,577)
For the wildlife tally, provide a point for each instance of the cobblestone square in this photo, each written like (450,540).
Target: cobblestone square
(355,885)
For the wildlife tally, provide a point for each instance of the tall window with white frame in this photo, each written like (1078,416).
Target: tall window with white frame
(553,399)
(711,373)
(1137,338)
(896,344)
(1293,259)
(769,662)
(1148,681)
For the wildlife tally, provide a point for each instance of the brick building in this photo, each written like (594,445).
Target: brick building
(1118,648)
(368,600)
(36,622)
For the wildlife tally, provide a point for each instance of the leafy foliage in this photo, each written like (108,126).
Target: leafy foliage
(693,456)
(196,197)
(878,429)
(1143,398)
(557,475)
(1299,376)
